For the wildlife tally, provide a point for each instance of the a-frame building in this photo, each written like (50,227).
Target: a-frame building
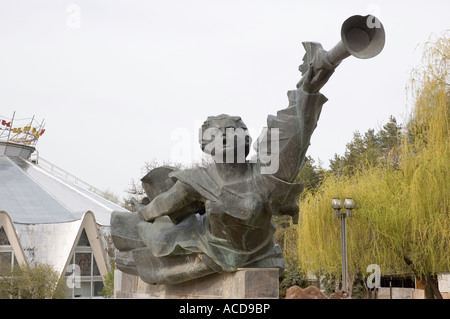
(46,218)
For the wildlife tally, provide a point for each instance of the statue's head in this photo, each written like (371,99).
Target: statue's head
(225,138)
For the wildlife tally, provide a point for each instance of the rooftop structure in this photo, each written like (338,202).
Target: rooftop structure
(47,216)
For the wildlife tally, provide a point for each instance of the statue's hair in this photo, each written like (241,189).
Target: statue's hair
(224,118)
(224,121)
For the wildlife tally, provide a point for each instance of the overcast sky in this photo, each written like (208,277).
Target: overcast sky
(119,83)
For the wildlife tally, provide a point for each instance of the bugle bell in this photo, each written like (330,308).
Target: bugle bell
(361,36)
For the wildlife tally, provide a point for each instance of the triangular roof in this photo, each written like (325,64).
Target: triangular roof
(30,194)
(44,214)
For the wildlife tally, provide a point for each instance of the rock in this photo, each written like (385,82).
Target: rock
(311,292)
(339,295)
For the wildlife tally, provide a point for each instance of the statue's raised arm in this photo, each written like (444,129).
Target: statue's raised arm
(292,127)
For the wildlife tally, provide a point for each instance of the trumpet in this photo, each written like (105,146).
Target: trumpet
(361,36)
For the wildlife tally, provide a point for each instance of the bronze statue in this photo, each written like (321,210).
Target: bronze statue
(216,219)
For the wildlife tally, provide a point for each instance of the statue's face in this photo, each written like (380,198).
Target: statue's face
(226,139)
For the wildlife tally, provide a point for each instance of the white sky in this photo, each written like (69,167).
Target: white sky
(136,79)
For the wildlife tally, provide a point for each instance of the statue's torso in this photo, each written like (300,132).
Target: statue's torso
(240,216)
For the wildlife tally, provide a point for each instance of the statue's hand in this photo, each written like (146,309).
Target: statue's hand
(141,209)
(314,79)
(136,203)
(144,211)
(317,73)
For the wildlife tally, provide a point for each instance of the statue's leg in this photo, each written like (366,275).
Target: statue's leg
(170,269)
(125,236)
(125,262)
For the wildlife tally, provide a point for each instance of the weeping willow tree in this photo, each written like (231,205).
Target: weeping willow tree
(402,218)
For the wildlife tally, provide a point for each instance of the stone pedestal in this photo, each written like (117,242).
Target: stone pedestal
(244,283)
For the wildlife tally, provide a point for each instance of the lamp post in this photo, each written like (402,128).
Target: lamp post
(337,206)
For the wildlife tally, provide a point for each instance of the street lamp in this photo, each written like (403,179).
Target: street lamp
(337,206)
